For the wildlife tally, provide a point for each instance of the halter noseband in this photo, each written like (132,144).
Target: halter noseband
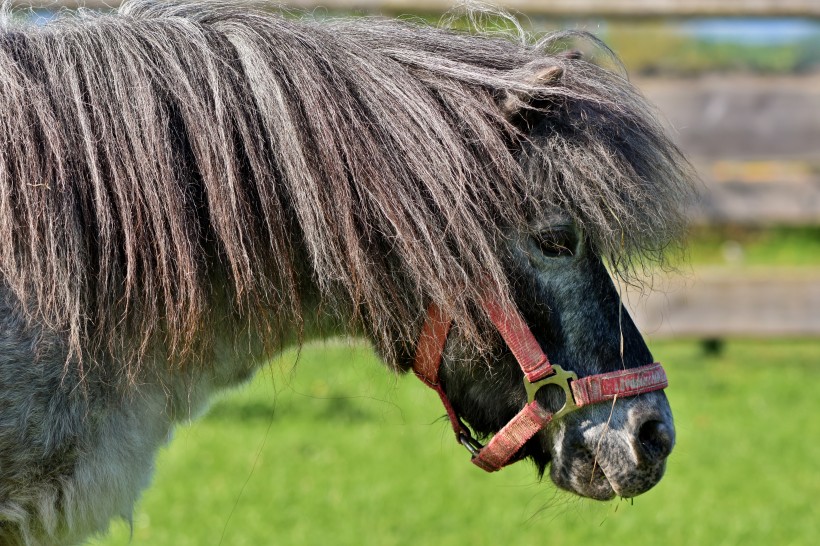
(538,372)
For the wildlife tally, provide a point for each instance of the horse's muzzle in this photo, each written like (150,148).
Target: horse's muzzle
(617,449)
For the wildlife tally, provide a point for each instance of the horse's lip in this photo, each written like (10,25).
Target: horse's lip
(591,481)
(600,486)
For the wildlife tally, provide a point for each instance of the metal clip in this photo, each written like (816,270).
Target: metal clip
(560,378)
(472,445)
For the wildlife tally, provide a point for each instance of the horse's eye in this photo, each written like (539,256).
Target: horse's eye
(556,243)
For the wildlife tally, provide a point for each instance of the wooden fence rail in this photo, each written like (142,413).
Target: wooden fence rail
(556,8)
(727,302)
(754,140)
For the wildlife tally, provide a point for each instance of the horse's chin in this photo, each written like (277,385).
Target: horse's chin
(591,481)
(584,477)
(581,478)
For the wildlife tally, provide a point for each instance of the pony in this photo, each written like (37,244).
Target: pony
(188,187)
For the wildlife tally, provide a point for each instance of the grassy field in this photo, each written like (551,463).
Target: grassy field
(750,247)
(340,452)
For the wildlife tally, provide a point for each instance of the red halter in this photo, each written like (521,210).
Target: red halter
(538,373)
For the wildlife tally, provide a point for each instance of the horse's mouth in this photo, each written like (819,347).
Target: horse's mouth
(599,487)
(582,476)
(588,478)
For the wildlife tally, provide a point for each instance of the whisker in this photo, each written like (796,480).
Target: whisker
(601,439)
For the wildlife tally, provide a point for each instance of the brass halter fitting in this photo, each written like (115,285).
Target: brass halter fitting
(562,379)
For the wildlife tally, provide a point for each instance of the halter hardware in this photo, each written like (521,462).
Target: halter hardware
(505,446)
(471,444)
(561,378)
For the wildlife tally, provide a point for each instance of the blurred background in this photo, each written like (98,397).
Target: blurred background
(336,451)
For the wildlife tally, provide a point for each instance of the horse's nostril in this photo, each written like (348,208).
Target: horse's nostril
(655,440)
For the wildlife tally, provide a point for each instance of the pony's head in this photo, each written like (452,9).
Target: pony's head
(615,446)
(600,184)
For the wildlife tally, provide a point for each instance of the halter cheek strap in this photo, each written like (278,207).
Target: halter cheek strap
(428,360)
(538,372)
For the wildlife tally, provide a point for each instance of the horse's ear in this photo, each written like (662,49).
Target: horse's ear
(516,106)
(547,75)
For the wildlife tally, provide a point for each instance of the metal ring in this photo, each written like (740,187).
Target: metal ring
(472,445)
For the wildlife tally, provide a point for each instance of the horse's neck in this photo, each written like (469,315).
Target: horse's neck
(241,344)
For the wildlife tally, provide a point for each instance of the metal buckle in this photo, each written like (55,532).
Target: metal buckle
(561,378)
(472,445)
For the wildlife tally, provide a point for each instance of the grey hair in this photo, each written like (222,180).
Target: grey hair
(173,163)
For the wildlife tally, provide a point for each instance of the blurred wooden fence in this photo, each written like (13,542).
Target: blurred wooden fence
(557,8)
(732,302)
(755,141)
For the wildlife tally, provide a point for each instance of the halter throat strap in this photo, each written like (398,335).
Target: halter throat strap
(502,449)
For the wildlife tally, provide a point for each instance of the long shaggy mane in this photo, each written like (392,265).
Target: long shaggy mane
(171,164)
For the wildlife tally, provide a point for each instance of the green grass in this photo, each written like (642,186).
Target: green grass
(341,452)
(661,49)
(745,246)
